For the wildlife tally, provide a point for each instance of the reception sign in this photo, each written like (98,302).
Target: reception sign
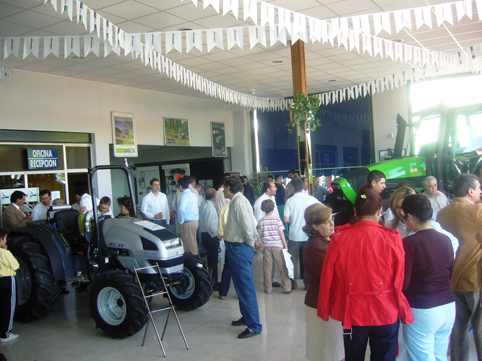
(42,158)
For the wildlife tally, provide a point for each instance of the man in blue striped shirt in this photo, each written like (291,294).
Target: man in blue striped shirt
(188,216)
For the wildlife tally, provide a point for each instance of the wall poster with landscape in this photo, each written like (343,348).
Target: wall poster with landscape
(123,135)
(218,139)
(176,131)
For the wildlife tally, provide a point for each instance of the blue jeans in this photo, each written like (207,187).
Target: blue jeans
(240,256)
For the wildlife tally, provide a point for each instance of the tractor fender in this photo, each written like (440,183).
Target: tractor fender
(60,256)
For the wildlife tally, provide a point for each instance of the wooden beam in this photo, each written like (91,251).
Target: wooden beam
(298,67)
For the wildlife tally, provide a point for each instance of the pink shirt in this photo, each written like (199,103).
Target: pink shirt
(269,228)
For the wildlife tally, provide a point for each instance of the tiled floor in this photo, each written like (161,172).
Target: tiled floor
(70,334)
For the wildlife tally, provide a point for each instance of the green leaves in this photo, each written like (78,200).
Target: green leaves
(304,109)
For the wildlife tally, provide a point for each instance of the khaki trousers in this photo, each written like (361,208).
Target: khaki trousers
(276,254)
(188,236)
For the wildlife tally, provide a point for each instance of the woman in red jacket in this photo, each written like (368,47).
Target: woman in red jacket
(361,282)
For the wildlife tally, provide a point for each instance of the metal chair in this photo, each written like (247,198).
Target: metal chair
(151,312)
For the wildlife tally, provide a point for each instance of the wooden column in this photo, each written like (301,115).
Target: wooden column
(298,69)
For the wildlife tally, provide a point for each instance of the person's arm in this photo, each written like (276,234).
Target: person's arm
(180,210)
(327,280)
(247,223)
(287,213)
(165,208)
(408,263)
(398,280)
(13,221)
(282,235)
(212,222)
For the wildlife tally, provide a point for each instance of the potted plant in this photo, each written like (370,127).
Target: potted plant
(304,109)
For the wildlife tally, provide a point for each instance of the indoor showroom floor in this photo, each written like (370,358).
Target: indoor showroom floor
(69,333)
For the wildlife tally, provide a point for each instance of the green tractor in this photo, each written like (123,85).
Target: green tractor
(442,142)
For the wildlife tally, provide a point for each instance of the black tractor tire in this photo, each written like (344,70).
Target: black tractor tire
(198,285)
(117,305)
(37,290)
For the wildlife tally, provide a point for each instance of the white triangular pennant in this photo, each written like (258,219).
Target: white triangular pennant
(478,4)
(388,48)
(367,44)
(173,41)
(324,31)
(250,9)
(82,11)
(53,2)
(231,5)
(267,14)
(31,45)
(11,46)
(378,47)
(194,39)
(91,44)
(315,29)
(381,21)
(94,22)
(67,5)
(284,19)
(299,26)
(423,16)
(361,24)
(235,37)
(214,38)
(464,8)
(51,45)
(107,27)
(408,53)
(257,34)
(71,45)
(403,18)
(444,13)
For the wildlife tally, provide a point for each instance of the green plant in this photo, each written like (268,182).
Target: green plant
(304,109)
(256,181)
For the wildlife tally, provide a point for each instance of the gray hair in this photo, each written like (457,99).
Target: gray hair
(463,182)
(429,178)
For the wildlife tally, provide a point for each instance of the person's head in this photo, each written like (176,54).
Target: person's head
(396,203)
(125,206)
(18,198)
(58,202)
(45,197)
(297,174)
(267,206)
(104,205)
(232,185)
(406,184)
(467,185)
(210,194)
(377,180)
(368,202)
(199,188)
(79,192)
(244,179)
(3,237)
(297,184)
(184,183)
(155,185)
(306,183)
(269,188)
(316,182)
(192,180)
(278,179)
(417,207)
(430,185)
(318,221)
(270,178)
(291,173)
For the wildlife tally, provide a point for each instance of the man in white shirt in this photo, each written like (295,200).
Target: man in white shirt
(39,212)
(208,224)
(84,199)
(221,200)
(269,192)
(437,198)
(294,214)
(155,205)
(188,216)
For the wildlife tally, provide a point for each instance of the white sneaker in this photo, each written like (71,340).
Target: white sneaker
(12,336)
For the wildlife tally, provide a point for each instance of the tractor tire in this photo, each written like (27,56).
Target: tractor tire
(196,286)
(37,290)
(117,305)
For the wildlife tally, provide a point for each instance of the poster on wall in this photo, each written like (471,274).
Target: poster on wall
(176,131)
(218,136)
(123,135)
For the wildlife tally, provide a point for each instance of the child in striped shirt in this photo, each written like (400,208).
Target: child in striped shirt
(270,229)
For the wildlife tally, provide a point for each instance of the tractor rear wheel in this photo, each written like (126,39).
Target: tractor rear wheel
(38,292)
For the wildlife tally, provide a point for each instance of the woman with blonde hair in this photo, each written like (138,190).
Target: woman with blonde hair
(397,222)
(324,340)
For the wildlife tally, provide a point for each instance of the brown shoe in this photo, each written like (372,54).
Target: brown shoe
(276,284)
(222,297)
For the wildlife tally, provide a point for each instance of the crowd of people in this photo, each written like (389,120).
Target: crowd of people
(401,281)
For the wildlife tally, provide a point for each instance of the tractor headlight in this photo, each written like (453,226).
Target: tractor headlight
(171,242)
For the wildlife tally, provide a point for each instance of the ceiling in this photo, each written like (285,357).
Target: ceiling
(247,71)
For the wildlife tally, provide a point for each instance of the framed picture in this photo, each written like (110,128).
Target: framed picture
(123,135)
(218,136)
(176,131)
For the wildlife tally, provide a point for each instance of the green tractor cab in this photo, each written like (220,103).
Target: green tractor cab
(443,142)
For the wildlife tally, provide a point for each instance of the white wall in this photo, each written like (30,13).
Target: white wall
(386,106)
(241,154)
(51,103)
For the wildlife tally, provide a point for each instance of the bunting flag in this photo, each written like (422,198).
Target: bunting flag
(173,41)
(381,21)
(231,5)
(284,19)
(82,11)
(423,16)
(71,45)
(277,34)
(91,44)
(213,3)
(107,27)
(251,10)
(51,45)
(67,5)
(443,13)
(361,24)
(194,39)
(11,46)
(403,19)
(95,22)
(235,37)
(5,70)
(214,38)
(257,35)
(53,2)
(31,45)
(464,8)
(267,14)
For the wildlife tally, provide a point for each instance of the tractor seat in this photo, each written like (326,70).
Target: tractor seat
(67,224)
